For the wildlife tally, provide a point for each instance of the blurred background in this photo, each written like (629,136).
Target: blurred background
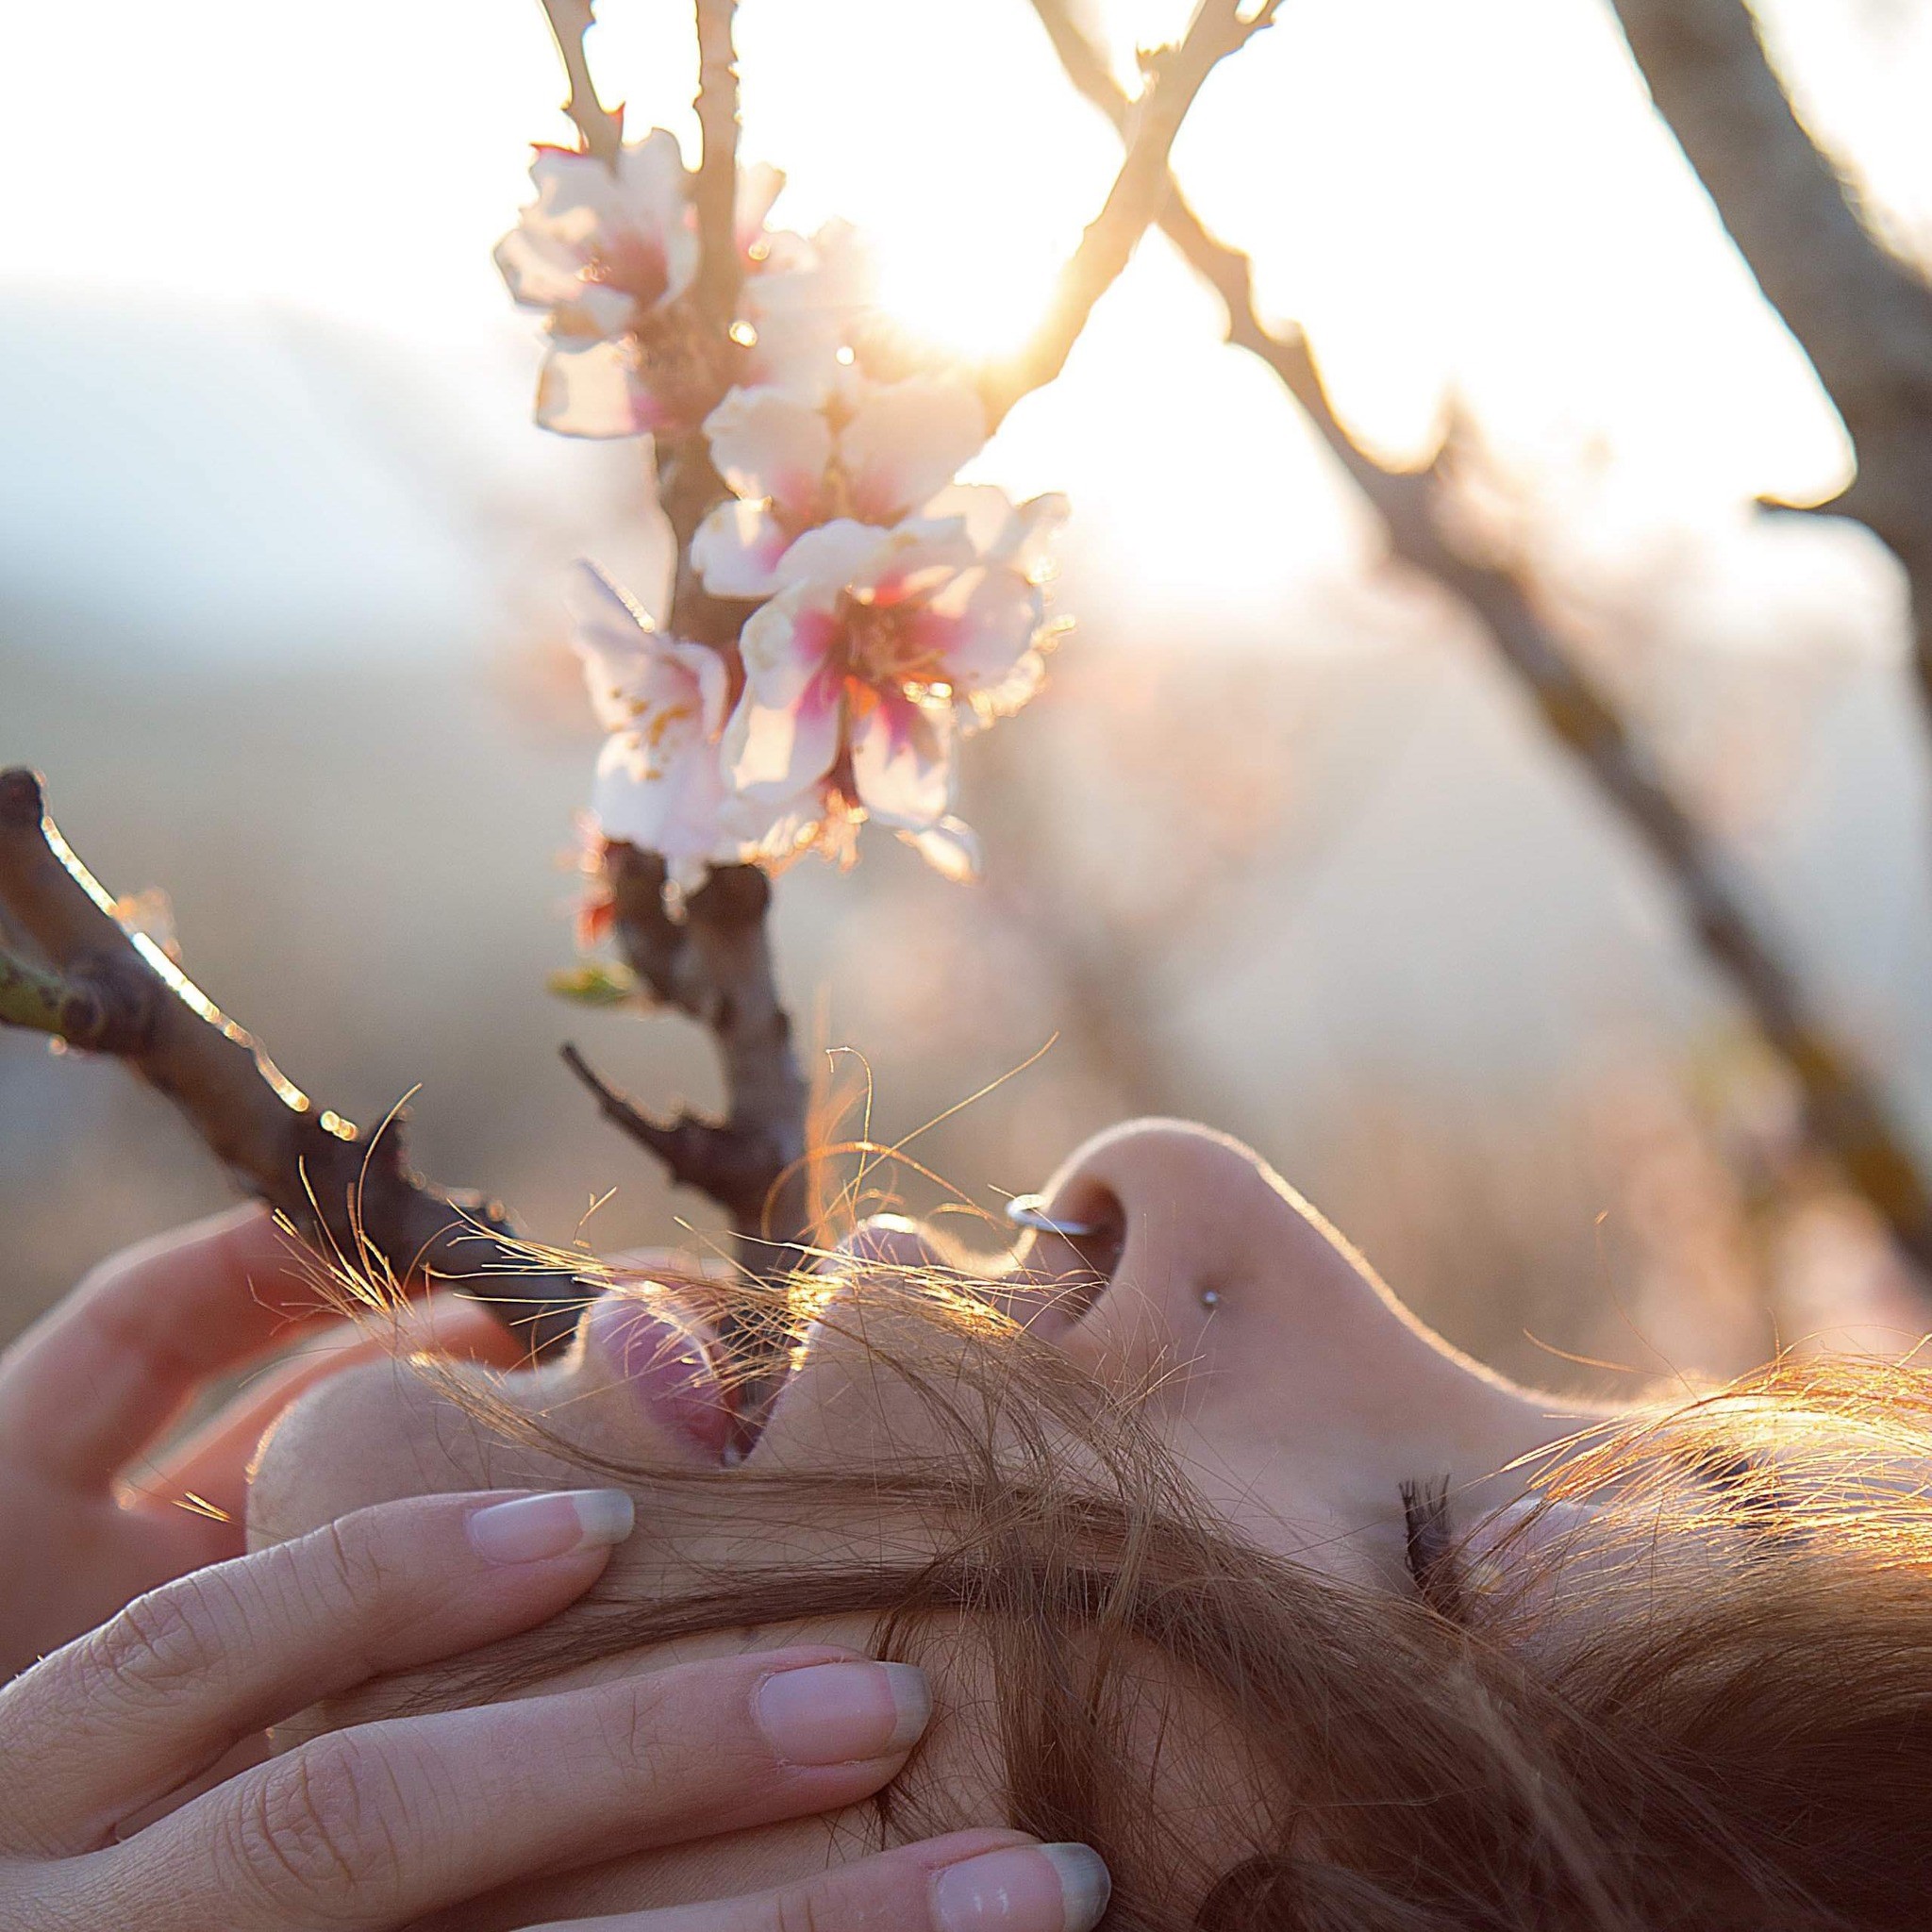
(1280,848)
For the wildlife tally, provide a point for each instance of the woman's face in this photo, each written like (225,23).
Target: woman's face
(1294,1393)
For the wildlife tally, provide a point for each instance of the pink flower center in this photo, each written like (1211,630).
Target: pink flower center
(889,641)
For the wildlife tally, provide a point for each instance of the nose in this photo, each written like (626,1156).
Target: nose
(1230,1305)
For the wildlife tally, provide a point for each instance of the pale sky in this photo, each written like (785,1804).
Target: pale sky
(1450,194)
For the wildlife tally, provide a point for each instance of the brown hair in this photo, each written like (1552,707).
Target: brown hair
(1707,1703)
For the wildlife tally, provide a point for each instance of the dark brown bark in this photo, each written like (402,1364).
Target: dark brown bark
(1861,313)
(715,965)
(344,1193)
(1847,1114)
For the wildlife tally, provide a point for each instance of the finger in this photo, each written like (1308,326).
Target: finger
(127,1713)
(88,1387)
(212,1464)
(981,1881)
(387,1822)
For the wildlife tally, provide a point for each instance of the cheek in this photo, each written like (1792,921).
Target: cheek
(377,1434)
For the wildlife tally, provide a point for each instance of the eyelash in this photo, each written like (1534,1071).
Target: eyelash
(1434,1563)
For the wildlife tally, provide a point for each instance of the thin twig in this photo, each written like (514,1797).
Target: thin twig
(1846,1112)
(72,1009)
(714,196)
(1861,313)
(344,1193)
(600,128)
(1175,77)
(715,965)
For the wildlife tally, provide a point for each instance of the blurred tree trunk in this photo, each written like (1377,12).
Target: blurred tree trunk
(1860,312)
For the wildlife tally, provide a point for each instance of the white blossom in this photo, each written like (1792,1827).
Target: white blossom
(874,455)
(883,647)
(602,250)
(660,784)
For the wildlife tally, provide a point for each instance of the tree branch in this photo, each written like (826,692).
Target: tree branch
(117,993)
(714,196)
(1845,1111)
(1174,78)
(1861,314)
(72,1009)
(601,130)
(715,965)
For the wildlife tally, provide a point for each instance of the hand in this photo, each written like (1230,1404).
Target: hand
(371,1828)
(87,1527)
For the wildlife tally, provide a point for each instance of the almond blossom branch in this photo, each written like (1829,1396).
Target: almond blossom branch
(1861,313)
(113,993)
(601,130)
(1845,1111)
(1150,126)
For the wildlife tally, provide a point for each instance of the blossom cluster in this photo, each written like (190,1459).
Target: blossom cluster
(894,610)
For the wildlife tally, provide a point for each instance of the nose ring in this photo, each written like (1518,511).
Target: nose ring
(1029,1211)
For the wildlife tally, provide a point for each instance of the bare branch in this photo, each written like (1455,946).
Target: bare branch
(697,1153)
(715,194)
(72,1009)
(343,1193)
(1861,314)
(715,965)
(1174,78)
(1846,1113)
(601,130)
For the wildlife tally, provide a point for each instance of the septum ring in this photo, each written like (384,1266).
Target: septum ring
(1029,1211)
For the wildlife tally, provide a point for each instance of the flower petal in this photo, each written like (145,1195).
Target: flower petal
(768,443)
(952,848)
(593,390)
(785,647)
(1019,535)
(806,304)
(737,548)
(980,624)
(902,761)
(774,752)
(656,192)
(825,560)
(542,270)
(640,679)
(904,442)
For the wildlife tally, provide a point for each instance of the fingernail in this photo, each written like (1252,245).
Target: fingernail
(530,1528)
(841,1713)
(1025,1888)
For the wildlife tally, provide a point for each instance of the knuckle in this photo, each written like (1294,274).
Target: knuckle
(357,1571)
(158,1642)
(317,1831)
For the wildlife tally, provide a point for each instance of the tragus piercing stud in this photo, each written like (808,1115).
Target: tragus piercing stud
(1029,1211)
(1210,1297)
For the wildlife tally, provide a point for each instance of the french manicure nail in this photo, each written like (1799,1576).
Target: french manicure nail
(1061,1888)
(528,1529)
(843,1713)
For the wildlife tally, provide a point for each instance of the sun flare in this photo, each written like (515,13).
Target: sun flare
(961,301)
